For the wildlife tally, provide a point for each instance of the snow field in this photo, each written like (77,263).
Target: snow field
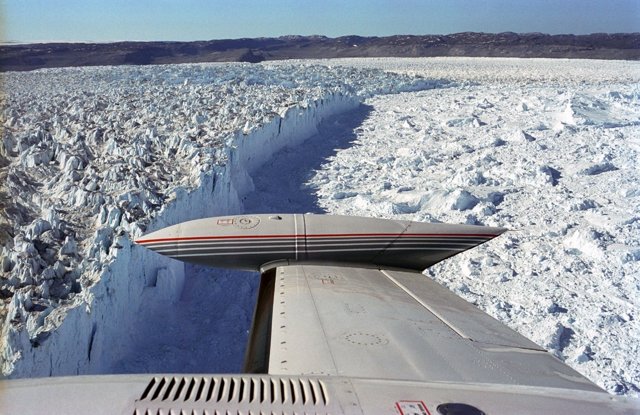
(497,70)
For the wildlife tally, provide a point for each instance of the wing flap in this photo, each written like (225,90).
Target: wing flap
(461,316)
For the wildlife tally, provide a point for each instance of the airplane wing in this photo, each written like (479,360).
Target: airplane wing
(380,324)
(344,323)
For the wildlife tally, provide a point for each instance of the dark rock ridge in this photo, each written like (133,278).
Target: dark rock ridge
(624,46)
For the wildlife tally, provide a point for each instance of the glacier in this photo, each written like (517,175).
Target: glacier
(94,157)
(104,154)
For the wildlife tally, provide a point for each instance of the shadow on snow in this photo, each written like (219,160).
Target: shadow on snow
(281,184)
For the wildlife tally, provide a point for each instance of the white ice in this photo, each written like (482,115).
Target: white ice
(94,157)
(547,148)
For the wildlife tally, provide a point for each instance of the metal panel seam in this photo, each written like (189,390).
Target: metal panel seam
(315,307)
(295,232)
(425,305)
(382,252)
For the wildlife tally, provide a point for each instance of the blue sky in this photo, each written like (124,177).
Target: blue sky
(110,20)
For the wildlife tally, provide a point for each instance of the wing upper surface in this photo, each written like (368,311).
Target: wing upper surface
(383,324)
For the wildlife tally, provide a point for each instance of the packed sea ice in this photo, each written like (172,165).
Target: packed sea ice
(97,156)
(548,149)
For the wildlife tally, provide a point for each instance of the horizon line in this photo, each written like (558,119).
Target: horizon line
(34,42)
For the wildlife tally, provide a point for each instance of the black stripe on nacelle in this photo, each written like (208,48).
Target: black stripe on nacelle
(311,240)
(181,254)
(315,248)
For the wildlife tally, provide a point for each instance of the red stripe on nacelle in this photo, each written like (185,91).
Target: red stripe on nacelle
(326,235)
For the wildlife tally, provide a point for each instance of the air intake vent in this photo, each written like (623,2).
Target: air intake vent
(178,394)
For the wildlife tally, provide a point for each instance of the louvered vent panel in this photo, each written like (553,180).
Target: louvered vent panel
(177,395)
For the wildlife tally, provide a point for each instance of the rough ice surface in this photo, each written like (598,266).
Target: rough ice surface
(549,149)
(96,156)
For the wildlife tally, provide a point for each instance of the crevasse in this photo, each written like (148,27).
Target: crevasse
(92,336)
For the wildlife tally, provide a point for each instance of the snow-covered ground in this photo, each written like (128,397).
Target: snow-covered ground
(548,148)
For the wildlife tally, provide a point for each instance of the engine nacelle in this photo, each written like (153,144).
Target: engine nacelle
(257,242)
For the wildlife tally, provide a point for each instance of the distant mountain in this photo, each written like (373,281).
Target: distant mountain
(624,46)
